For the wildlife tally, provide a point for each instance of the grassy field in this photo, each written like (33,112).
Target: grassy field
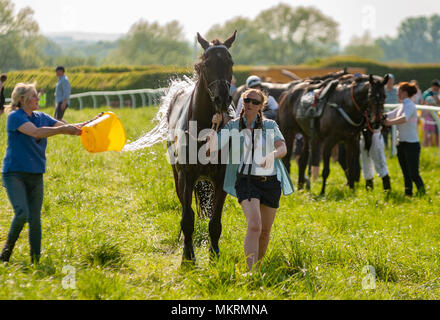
(111,220)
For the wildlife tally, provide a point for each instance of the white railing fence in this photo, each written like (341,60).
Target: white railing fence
(434,111)
(149,97)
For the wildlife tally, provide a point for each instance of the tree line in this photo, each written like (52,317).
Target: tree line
(280,35)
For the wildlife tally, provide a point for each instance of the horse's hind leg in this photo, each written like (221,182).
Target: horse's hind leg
(187,222)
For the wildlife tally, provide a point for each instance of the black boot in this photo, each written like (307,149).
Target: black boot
(7,251)
(369,184)
(386,183)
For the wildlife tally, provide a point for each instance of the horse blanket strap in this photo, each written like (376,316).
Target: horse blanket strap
(345,115)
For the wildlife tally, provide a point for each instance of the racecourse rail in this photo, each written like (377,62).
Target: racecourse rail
(151,97)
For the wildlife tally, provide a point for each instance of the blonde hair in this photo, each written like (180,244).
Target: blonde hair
(24,90)
(9,108)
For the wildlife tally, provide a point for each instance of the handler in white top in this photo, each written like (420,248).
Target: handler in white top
(408,148)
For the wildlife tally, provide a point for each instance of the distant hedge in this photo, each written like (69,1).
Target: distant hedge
(84,79)
(113,78)
(106,78)
(423,73)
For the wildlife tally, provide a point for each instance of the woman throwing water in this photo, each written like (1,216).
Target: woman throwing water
(25,163)
(258,176)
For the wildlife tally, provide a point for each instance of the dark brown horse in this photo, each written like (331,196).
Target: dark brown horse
(197,107)
(355,102)
(276,90)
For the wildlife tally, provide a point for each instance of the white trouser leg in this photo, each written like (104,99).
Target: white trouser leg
(366,161)
(377,153)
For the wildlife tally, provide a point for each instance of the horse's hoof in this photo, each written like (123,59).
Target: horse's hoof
(188,257)
(214,254)
(308,185)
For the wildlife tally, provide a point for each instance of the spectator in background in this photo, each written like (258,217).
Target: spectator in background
(432,92)
(430,130)
(418,96)
(3,79)
(62,93)
(42,96)
(233,86)
(408,148)
(270,110)
(391,98)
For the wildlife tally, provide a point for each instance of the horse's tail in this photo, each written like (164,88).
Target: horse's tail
(204,194)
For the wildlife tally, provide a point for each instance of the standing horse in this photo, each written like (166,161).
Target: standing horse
(353,104)
(210,96)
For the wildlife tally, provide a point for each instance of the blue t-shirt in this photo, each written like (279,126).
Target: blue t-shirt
(25,153)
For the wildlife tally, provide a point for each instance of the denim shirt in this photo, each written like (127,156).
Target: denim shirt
(233,165)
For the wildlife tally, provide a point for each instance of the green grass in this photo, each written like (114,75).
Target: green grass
(115,218)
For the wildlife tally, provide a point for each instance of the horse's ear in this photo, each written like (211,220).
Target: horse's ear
(371,79)
(202,41)
(385,79)
(228,43)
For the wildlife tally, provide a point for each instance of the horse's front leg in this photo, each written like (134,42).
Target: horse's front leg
(302,164)
(326,154)
(187,222)
(215,224)
(351,161)
(289,135)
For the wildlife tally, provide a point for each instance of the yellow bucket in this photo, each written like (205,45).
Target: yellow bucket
(105,133)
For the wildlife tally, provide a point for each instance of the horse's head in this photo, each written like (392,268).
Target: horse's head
(376,97)
(215,70)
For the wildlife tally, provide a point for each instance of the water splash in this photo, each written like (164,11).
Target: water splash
(160,132)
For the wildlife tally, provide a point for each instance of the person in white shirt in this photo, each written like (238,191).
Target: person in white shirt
(270,109)
(408,148)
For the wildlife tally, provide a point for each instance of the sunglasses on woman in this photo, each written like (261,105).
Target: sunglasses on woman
(254,101)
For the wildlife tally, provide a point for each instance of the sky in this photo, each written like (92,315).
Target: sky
(379,17)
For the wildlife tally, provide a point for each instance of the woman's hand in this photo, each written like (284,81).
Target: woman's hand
(73,130)
(268,160)
(217,119)
(211,144)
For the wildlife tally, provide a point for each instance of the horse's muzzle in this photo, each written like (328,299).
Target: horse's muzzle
(222,104)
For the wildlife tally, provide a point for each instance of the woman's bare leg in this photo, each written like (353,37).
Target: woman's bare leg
(267,218)
(254,225)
